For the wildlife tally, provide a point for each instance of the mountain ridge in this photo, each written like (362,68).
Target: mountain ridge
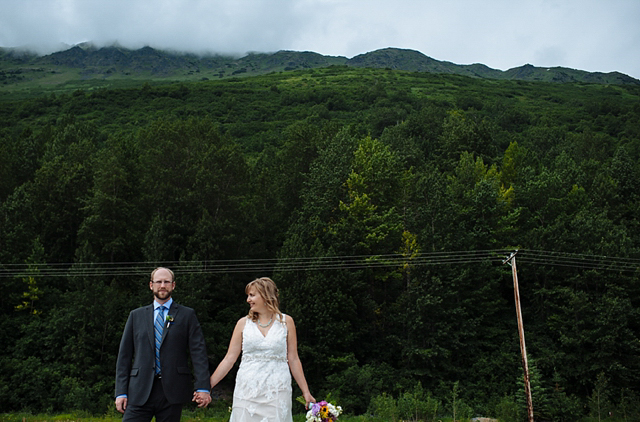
(87,61)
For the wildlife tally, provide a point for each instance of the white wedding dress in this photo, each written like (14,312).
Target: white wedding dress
(263,383)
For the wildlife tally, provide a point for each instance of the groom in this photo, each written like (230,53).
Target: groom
(152,373)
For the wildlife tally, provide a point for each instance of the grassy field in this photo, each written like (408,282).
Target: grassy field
(187,416)
(220,412)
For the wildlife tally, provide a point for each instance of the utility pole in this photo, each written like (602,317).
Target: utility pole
(511,260)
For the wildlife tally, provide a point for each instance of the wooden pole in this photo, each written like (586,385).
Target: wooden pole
(523,348)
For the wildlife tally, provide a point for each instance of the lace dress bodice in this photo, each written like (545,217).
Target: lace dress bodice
(263,383)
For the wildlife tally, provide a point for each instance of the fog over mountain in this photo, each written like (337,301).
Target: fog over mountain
(593,35)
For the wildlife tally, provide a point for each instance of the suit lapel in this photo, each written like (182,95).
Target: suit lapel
(173,311)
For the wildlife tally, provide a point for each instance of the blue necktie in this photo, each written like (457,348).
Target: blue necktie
(157,328)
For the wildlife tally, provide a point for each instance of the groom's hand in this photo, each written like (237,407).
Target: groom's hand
(203,399)
(121,404)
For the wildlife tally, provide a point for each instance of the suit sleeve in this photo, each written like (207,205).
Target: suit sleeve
(125,357)
(198,351)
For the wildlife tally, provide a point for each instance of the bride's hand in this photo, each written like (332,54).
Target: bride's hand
(308,398)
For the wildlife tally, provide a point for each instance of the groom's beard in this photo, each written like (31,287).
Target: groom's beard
(162,295)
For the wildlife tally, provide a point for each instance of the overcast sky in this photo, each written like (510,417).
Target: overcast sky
(592,35)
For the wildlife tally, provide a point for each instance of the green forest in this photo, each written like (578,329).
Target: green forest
(383,203)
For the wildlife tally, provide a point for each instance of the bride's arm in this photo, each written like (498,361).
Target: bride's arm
(235,347)
(295,366)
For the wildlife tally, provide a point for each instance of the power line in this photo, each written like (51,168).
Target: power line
(247,265)
(542,258)
(583,261)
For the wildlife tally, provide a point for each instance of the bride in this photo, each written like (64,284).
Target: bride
(267,339)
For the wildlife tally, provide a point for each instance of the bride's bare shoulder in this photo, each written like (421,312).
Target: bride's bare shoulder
(241,322)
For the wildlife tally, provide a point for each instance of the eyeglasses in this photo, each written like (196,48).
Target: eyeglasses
(161,282)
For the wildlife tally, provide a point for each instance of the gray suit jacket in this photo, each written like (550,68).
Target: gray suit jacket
(136,358)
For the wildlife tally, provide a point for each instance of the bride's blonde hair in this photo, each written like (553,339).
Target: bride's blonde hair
(268,290)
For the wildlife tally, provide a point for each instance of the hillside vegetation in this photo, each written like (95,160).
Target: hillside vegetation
(383,202)
(24,74)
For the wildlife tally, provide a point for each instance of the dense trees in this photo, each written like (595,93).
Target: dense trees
(382,203)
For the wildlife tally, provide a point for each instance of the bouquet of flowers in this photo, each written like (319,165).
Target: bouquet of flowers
(323,412)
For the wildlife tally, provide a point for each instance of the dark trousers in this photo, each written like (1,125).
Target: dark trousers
(157,406)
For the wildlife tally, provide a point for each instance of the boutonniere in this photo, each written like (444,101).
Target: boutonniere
(169,320)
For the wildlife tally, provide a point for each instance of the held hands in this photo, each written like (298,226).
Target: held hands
(202,398)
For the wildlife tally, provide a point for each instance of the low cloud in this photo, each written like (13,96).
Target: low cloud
(584,34)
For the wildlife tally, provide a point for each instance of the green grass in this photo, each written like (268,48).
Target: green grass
(187,416)
(27,417)
(218,411)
